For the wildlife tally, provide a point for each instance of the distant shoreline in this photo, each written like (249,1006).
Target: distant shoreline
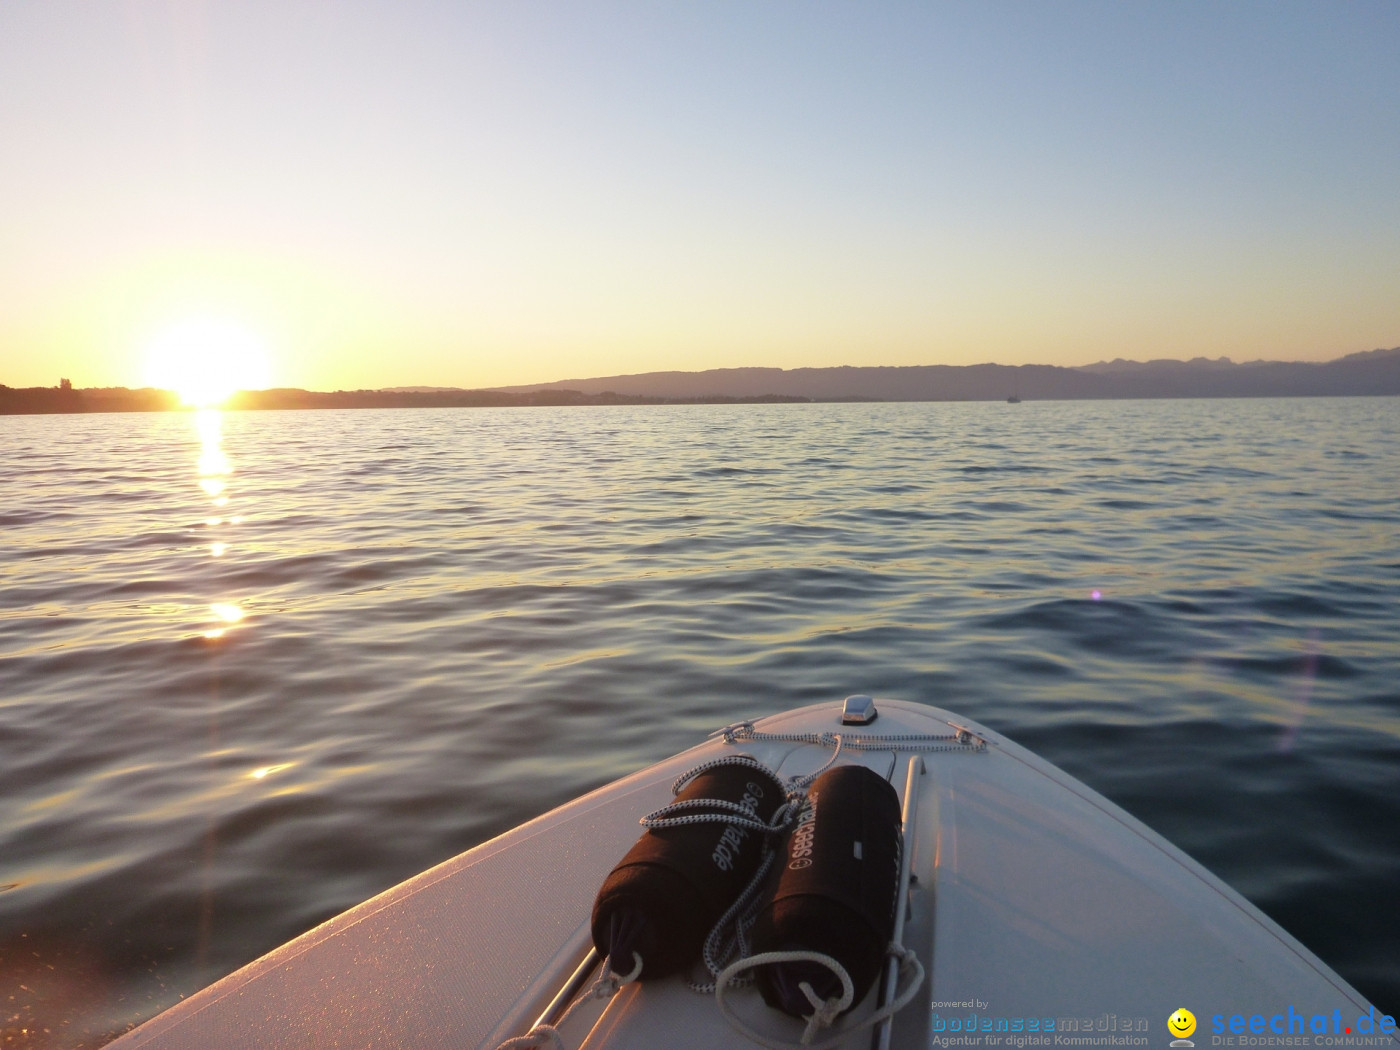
(1371,373)
(71,401)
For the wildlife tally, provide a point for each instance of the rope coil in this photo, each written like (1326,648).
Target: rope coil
(824,1012)
(608,984)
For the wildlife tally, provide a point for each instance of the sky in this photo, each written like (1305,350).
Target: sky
(370,194)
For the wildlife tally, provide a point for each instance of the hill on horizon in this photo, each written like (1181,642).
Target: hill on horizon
(1366,372)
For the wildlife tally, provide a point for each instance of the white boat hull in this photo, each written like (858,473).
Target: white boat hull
(1043,914)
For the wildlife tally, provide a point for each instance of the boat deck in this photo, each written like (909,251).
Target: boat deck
(1037,907)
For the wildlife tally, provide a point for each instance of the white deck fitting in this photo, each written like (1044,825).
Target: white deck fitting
(1034,895)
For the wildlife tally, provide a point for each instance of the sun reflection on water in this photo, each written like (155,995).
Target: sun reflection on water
(208,423)
(267,771)
(213,469)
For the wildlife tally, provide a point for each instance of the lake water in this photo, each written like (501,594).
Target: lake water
(254,670)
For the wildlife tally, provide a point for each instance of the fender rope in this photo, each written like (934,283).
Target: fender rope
(606,986)
(824,1013)
(739,917)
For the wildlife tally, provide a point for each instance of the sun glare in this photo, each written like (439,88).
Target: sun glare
(204,360)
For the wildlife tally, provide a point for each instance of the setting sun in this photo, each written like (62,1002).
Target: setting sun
(205,360)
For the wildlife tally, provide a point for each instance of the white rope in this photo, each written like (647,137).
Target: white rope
(677,814)
(743,911)
(739,917)
(606,986)
(824,1012)
(961,740)
(742,914)
(803,783)
(714,763)
(735,814)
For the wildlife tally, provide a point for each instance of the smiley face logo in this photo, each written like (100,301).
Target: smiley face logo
(1182,1023)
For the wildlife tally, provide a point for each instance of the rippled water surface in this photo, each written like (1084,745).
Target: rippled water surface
(254,670)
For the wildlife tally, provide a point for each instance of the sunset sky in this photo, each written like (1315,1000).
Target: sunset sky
(367,194)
